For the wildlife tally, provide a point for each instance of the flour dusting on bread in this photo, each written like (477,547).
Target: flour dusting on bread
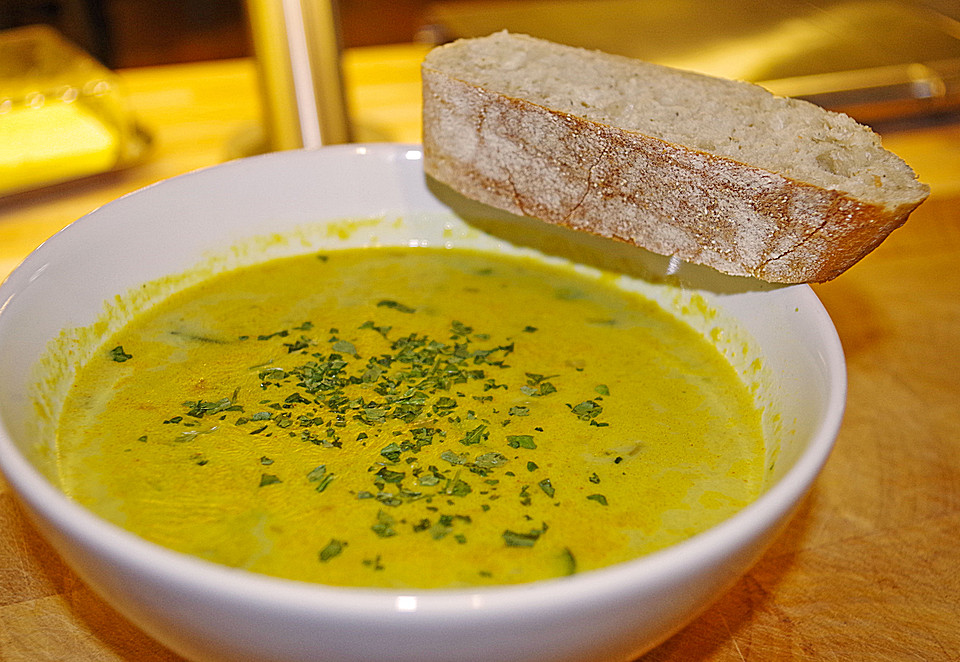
(712,171)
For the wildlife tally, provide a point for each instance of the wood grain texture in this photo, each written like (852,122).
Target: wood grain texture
(868,570)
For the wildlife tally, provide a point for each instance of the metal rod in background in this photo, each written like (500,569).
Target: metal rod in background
(297,47)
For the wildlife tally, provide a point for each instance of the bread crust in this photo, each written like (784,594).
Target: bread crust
(742,220)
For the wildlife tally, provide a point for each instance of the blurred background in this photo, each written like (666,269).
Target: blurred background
(898,50)
(329,71)
(132,33)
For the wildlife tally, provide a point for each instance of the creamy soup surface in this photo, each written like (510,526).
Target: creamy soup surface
(412,418)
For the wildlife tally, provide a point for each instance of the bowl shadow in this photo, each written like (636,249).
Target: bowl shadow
(726,628)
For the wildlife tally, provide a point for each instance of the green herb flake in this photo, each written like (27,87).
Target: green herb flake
(569,294)
(440,530)
(384,526)
(345,347)
(525,498)
(297,345)
(444,403)
(547,487)
(320,476)
(514,539)
(602,389)
(569,562)
(276,334)
(475,436)
(333,548)
(586,410)
(268,479)
(382,330)
(546,388)
(201,408)
(458,488)
(391,452)
(452,458)
(374,563)
(422,525)
(521,441)
(390,476)
(117,354)
(296,398)
(491,460)
(458,328)
(387,303)
(599,498)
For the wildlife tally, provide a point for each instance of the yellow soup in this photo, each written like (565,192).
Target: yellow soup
(410,418)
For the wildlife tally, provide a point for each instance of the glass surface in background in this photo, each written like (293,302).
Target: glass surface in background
(62,114)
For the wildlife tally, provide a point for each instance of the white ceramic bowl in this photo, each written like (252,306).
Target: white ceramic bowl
(230,215)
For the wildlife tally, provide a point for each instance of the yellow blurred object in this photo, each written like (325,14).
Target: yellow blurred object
(298,51)
(62,114)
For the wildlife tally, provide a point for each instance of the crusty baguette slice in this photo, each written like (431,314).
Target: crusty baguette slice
(713,171)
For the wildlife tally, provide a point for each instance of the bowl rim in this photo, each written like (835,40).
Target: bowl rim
(44,501)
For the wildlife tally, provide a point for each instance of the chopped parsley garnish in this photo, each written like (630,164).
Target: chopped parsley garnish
(201,408)
(514,539)
(269,479)
(384,525)
(547,487)
(117,354)
(586,410)
(521,441)
(345,347)
(333,548)
(417,391)
(387,303)
(321,477)
(475,436)
(570,561)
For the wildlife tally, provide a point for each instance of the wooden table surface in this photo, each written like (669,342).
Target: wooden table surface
(868,570)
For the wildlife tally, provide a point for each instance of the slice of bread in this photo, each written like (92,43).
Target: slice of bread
(713,171)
